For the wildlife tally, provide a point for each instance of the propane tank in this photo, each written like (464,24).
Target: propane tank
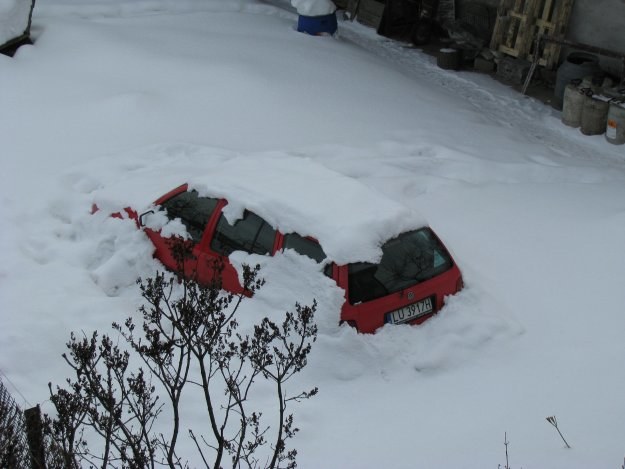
(615,129)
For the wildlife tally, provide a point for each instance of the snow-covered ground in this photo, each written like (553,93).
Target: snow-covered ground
(118,102)
(14,16)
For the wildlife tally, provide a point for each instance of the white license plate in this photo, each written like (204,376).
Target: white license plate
(410,312)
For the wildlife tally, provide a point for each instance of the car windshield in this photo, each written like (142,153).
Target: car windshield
(411,258)
(192,210)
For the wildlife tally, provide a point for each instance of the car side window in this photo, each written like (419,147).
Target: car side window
(250,234)
(307,247)
(304,246)
(192,210)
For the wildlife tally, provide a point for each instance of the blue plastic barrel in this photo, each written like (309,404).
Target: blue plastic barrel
(317,25)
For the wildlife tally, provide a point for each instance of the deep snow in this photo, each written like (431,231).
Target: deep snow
(118,102)
(14,16)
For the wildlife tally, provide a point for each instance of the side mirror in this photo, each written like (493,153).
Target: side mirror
(143,215)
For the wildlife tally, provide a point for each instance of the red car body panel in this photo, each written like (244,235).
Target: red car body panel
(366,317)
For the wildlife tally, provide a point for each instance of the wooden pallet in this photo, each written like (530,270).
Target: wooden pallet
(519,22)
(369,12)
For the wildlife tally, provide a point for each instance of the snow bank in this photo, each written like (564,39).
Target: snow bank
(127,8)
(118,255)
(14,18)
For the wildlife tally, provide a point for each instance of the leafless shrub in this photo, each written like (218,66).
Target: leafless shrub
(185,326)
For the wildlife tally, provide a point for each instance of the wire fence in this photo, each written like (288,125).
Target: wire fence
(14,449)
(23,442)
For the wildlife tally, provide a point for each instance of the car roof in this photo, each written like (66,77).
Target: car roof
(296,194)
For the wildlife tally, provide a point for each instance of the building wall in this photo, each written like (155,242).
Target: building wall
(600,23)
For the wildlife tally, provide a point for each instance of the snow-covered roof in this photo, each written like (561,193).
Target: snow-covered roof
(294,194)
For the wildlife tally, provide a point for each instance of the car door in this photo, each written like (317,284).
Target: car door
(250,234)
(195,213)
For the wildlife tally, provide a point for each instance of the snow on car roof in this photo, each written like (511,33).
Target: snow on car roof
(294,194)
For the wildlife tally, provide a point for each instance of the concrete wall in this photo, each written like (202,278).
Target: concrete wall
(600,23)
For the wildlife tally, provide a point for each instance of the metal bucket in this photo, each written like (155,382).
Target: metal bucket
(448,59)
(594,115)
(615,129)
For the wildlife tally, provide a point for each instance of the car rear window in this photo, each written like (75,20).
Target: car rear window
(250,234)
(193,211)
(411,258)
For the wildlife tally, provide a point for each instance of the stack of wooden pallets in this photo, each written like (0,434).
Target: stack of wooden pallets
(520,22)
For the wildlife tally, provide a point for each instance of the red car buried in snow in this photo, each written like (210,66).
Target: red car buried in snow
(408,284)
